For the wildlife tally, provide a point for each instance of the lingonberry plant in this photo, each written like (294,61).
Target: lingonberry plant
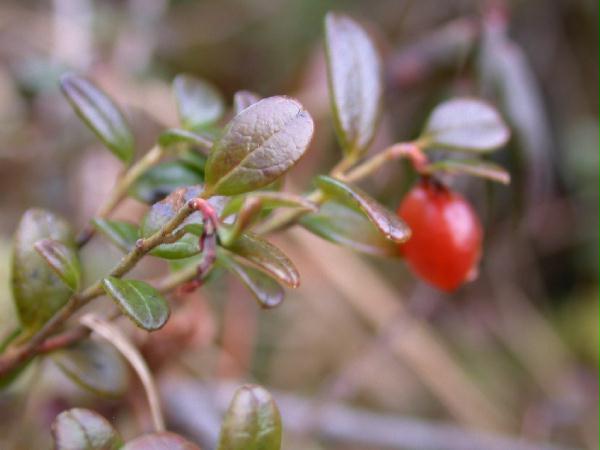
(214,193)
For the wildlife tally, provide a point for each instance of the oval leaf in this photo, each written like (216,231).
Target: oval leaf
(475,167)
(37,290)
(162,179)
(160,441)
(62,259)
(465,124)
(143,304)
(100,114)
(252,421)
(82,429)
(355,82)
(122,234)
(95,366)
(267,257)
(199,103)
(384,220)
(267,291)
(260,144)
(244,99)
(350,228)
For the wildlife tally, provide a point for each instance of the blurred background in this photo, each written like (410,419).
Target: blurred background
(362,356)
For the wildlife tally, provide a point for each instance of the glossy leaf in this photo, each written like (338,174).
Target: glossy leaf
(259,144)
(266,290)
(38,292)
(199,102)
(122,234)
(143,304)
(95,366)
(384,220)
(474,167)
(267,257)
(252,421)
(160,441)
(100,114)
(355,82)
(269,200)
(244,99)
(175,136)
(82,429)
(465,124)
(62,259)
(162,179)
(350,228)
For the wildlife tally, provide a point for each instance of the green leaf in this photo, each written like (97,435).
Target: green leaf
(252,421)
(95,366)
(350,228)
(267,257)
(82,429)
(199,103)
(354,71)
(162,179)
(143,304)
(123,234)
(160,441)
(266,290)
(269,200)
(62,259)
(175,136)
(100,114)
(244,99)
(260,144)
(38,292)
(474,167)
(384,220)
(185,247)
(465,124)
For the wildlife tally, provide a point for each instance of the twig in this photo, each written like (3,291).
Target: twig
(116,337)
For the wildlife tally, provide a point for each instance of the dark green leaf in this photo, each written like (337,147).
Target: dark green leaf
(259,144)
(350,228)
(37,290)
(267,257)
(143,304)
(243,99)
(160,441)
(269,200)
(185,247)
(465,124)
(95,366)
(355,82)
(62,259)
(386,221)
(473,167)
(99,112)
(199,102)
(164,178)
(175,136)
(122,234)
(252,421)
(82,429)
(266,290)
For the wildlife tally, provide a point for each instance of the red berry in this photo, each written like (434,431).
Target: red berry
(445,245)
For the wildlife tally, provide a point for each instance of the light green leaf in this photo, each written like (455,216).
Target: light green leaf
(143,304)
(175,136)
(384,220)
(38,292)
(199,102)
(355,82)
(269,200)
(160,441)
(474,167)
(259,145)
(252,421)
(123,234)
(465,124)
(100,114)
(95,366)
(62,259)
(82,429)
